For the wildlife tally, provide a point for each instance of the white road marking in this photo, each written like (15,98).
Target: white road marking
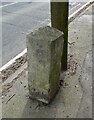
(73,3)
(75,6)
(80,10)
(8,4)
(70,19)
(13,60)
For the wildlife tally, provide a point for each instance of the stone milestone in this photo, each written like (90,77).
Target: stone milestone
(44,51)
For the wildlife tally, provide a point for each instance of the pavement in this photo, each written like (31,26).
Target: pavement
(74,99)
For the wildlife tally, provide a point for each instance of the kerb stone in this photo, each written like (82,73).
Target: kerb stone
(44,51)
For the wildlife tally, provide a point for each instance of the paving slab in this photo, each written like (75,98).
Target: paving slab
(85,108)
(68,103)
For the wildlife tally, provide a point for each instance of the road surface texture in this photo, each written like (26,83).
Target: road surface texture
(20,18)
(74,100)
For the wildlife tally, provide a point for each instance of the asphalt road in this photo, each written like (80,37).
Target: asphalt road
(18,19)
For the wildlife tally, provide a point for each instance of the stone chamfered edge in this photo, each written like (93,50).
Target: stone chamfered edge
(44,51)
(17,61)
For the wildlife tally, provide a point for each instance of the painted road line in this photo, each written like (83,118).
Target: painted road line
(13,60)
(70,11)
(73,3)
(80,10)
(70,19)
(8,4)
(75,6)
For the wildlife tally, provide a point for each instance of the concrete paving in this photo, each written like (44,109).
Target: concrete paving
(74,99)
(85,109)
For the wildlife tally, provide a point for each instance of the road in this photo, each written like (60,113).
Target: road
(18,19)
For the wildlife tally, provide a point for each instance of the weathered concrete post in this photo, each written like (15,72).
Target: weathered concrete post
(44,50)
(59,20)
